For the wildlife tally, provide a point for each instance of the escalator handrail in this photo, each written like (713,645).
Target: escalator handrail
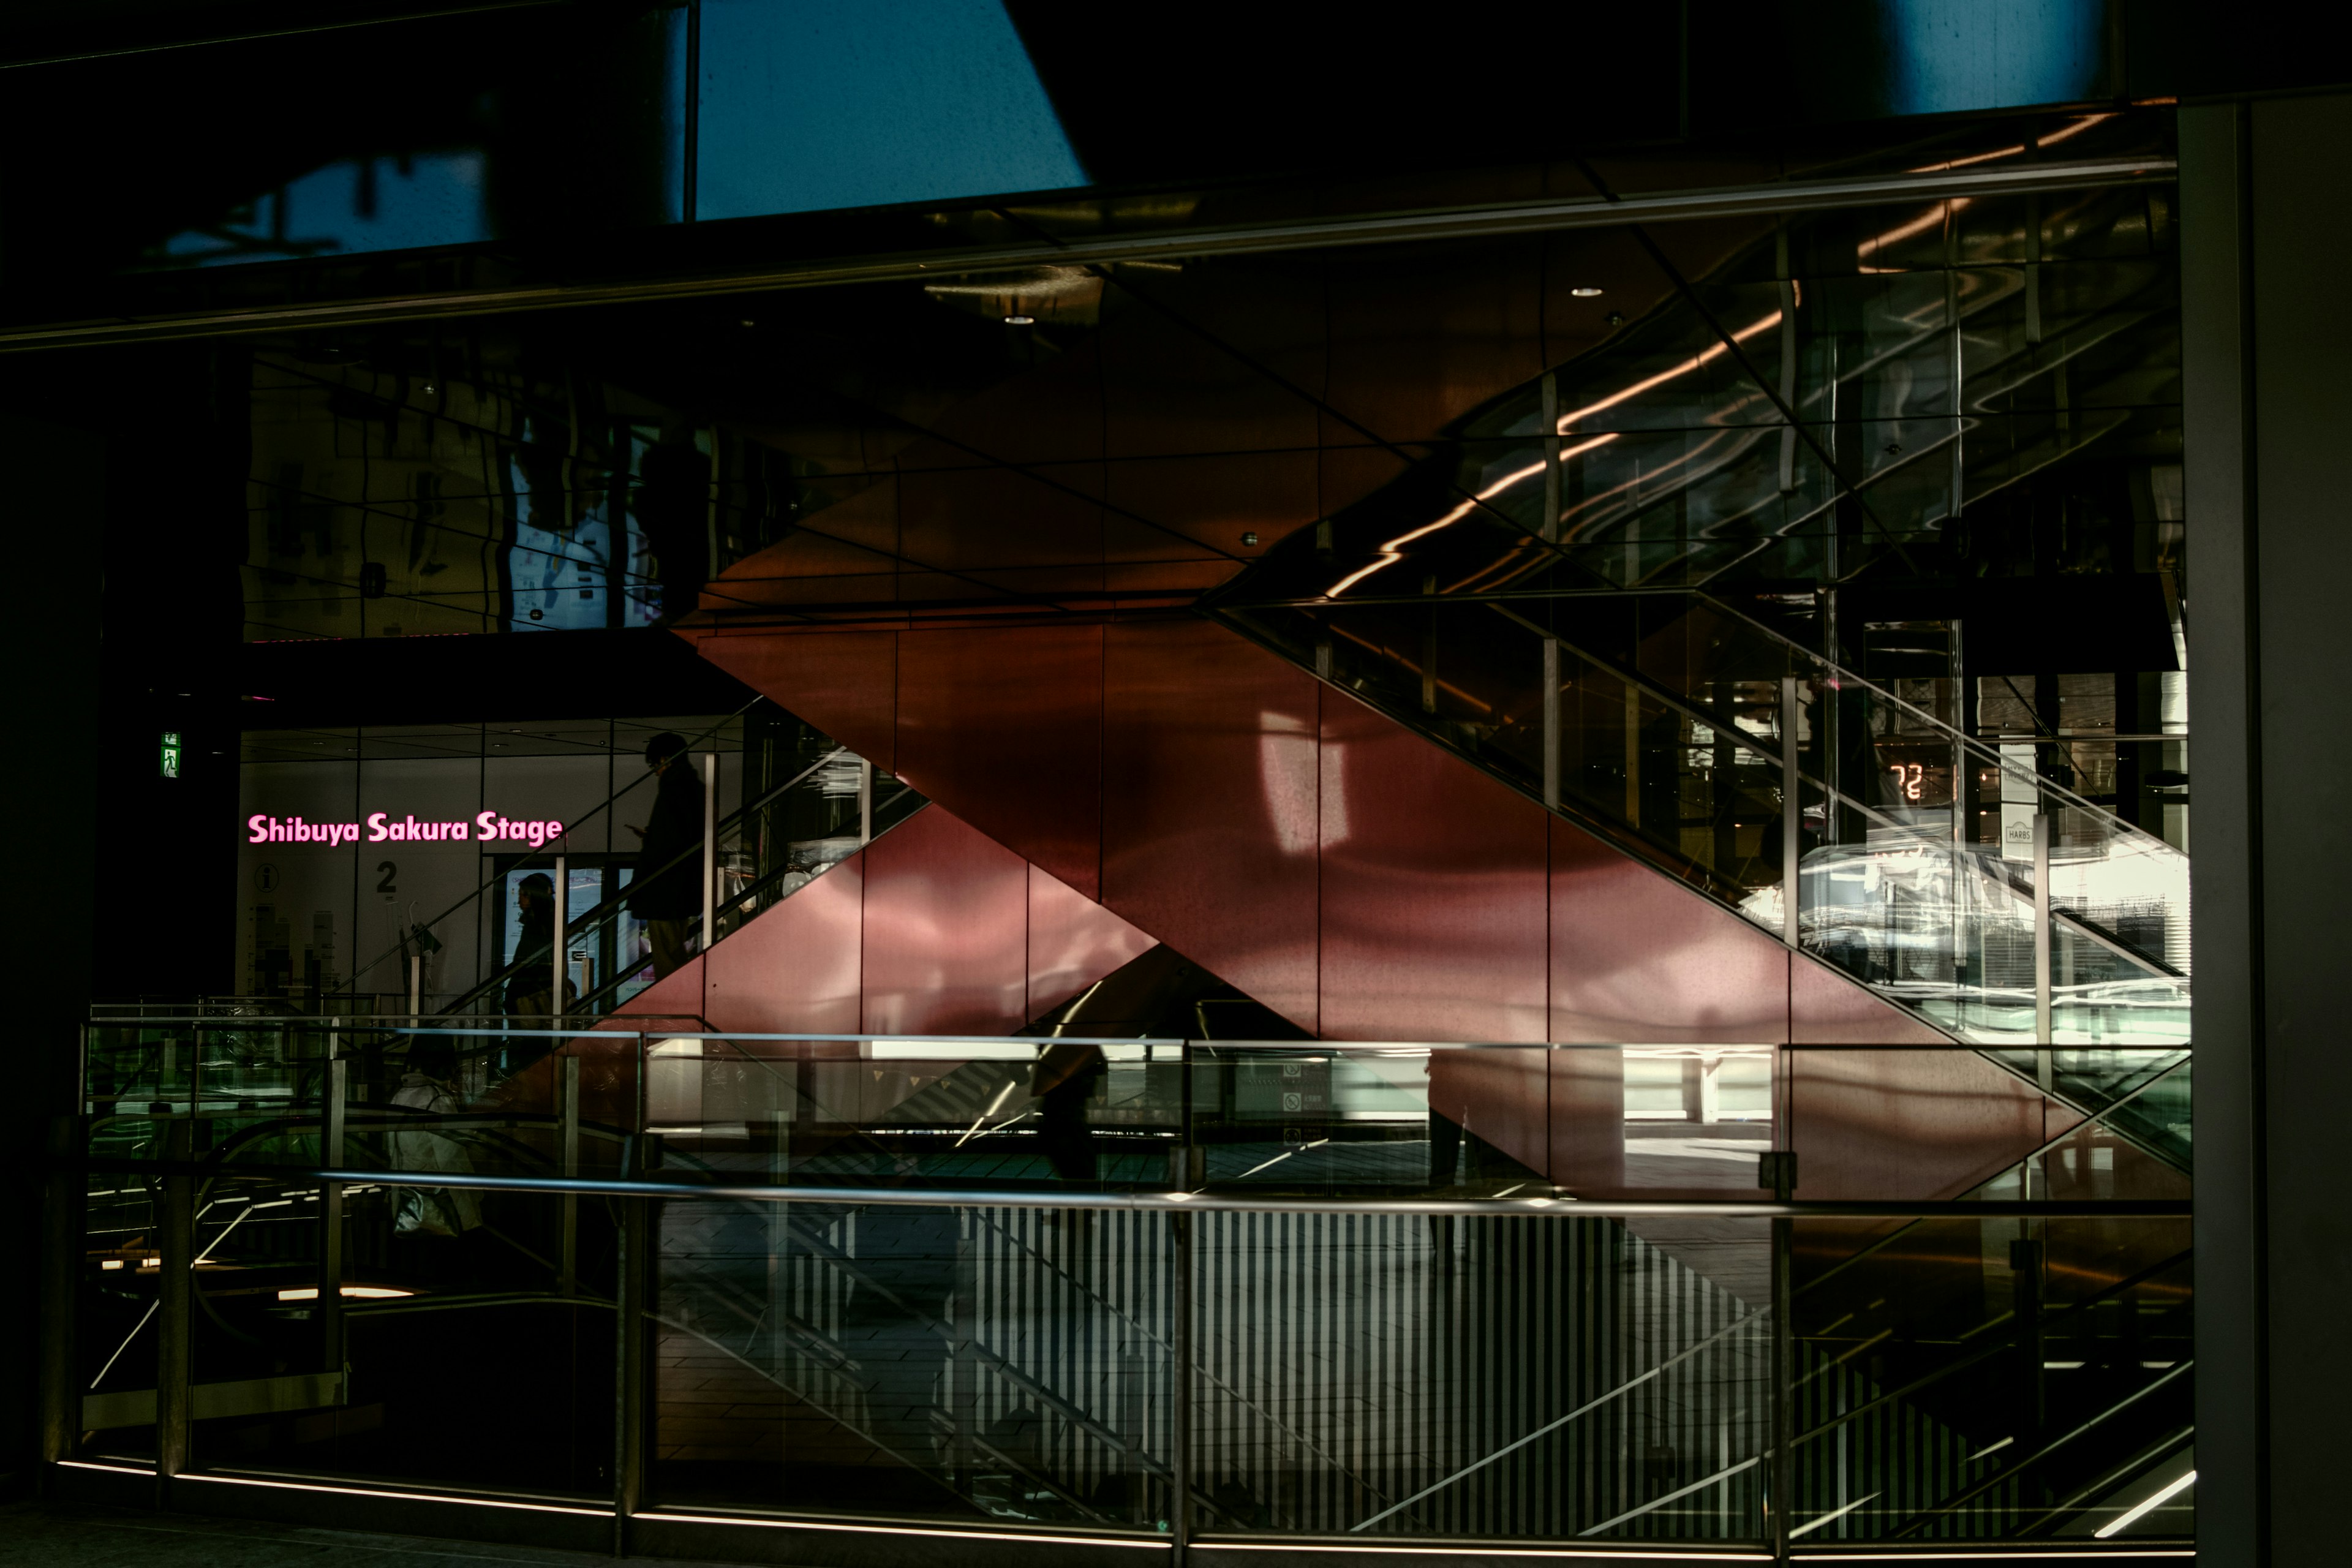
(584,923)
(402,945)
(583,1006)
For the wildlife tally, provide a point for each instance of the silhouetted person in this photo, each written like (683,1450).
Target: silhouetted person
(667,900)
(1064,1080)
(530,989)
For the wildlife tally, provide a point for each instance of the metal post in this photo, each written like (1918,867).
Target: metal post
(1180,1407)
(2042,1021)
(64,1222)
(558,957)
(330,1215)
(1551,719)
(567,1111)
(1784,1367)
(1552,476)
(1793,812)
(962,1369)
(175,1303)
(865,801)
(415,986)
(710,853)
(630,1362)
(1633,754)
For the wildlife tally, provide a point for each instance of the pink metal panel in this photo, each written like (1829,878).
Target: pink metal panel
(1073,942)
(1826,1008)
(1587,1121)
(1432,890)
(946,930)
(795,969)
(1638,959)
(1910,1124)
(1209,804)
(678,994)
(1004,728)
(1501,1096)
(845,683)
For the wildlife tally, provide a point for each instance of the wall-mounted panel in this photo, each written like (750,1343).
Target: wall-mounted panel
(1927,1124)
(843,682)
(946,932)
(796,969)
(1433,897)
(1638,959)
(1004,728)
(1073,942)
(1210,837)
(1826,1009)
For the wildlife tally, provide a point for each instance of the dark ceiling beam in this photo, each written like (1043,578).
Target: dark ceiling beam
(96,32)
(1384,228)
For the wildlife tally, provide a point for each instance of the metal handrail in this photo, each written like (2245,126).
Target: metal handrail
(603,910)
(402,945)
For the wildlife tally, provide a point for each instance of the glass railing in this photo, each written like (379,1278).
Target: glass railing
(1289,1293)
(1307,1120)
(760,853)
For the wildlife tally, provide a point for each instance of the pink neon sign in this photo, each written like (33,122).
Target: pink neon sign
(380,827)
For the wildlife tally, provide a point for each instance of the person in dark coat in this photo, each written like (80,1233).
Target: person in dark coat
(669,901)
(530,989)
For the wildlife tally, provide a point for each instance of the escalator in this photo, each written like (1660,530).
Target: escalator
(1610,591)
(762,853)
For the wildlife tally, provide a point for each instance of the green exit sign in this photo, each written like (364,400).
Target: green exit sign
(170,756)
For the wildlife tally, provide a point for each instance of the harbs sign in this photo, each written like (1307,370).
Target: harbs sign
(488,827)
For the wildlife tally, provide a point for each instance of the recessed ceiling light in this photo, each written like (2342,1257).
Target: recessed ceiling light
(1587,293)
(1020,320)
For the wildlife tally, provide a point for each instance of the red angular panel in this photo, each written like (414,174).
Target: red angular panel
(678,994)
(795,970)
(1209,810)
(845,683)
(1910,1124)
(1638,959)
(1073,942)
(1587,1121)
(946,932)
(1826,1008)
(1004,728)
(1433,895)
(1501,1096)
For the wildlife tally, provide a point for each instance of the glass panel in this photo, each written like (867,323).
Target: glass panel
(115,1300)
(473,1360)
(915,1362)
(1388,1121)
(1391,1376)
(1101,1114)
(2032,1377)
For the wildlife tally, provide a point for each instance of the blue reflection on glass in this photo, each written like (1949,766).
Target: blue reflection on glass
(1953,55)
(358,204)
(564,574)
(808,106)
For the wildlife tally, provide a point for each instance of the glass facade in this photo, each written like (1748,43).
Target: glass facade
(1471,854)
(858,1278)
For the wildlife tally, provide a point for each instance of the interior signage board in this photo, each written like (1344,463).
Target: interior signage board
(381,827)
